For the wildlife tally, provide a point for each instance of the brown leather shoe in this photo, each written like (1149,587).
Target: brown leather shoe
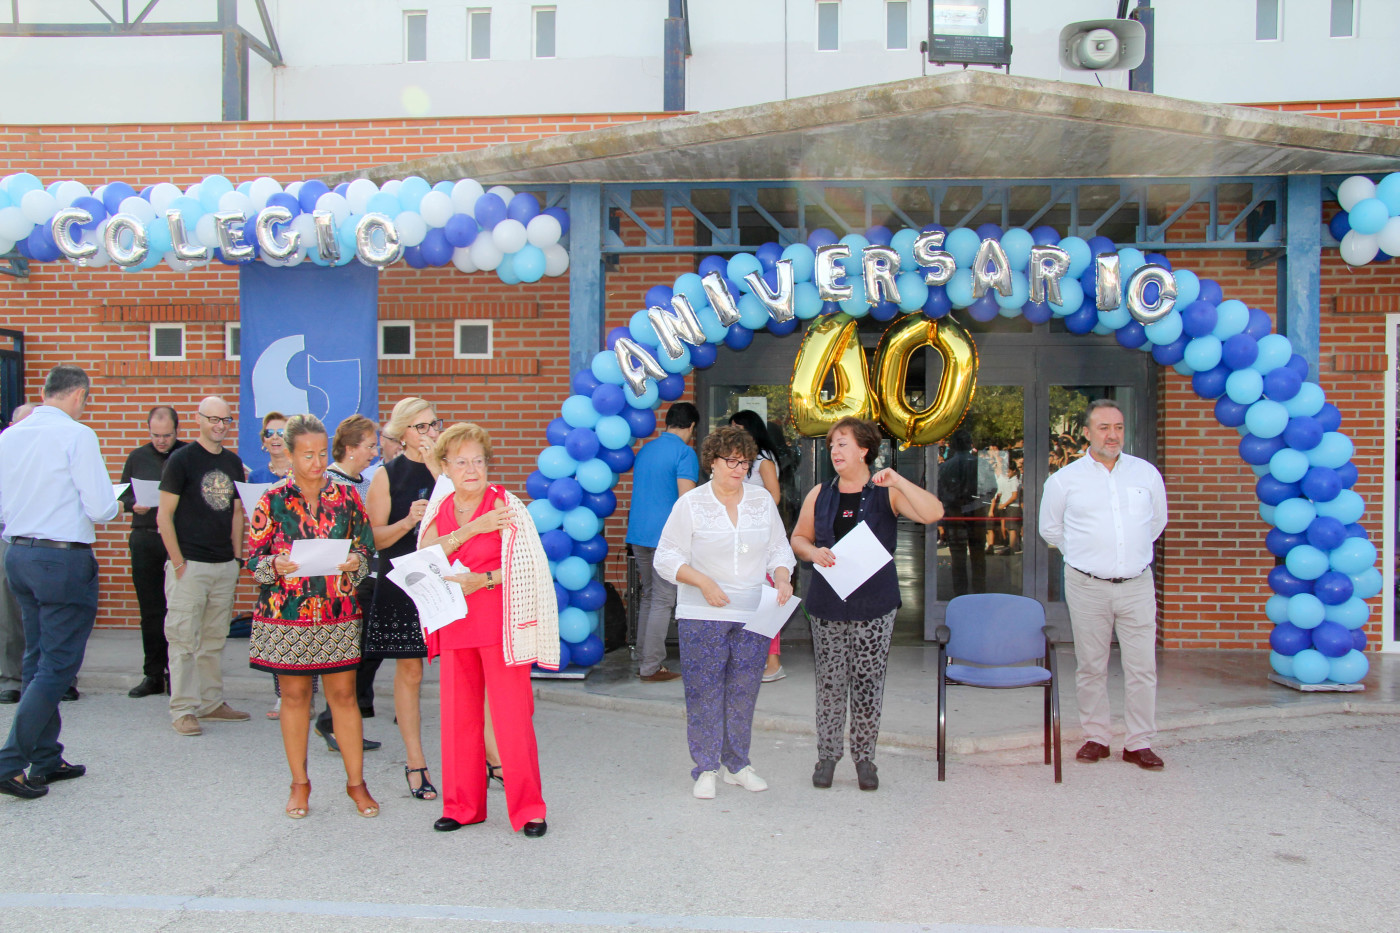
(1091,752)
(660,677)
(187,725)
(225,713)
(1144,758)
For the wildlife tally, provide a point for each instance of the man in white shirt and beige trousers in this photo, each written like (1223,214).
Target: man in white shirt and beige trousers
(1103,512)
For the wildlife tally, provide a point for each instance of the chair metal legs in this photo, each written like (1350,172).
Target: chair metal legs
(942,716)
(1052,707)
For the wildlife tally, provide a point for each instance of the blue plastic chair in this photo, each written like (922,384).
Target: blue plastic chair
(1001,633)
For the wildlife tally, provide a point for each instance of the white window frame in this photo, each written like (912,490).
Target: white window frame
(407,14)
(457,340)
(888,47)
(1278,24)
(471,13)
(229,328)
(1355,20)
(534,31)
(412,341)
(818,11)
(165,325)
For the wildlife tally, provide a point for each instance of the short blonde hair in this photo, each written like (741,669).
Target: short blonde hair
(403,414)
(463,432)
(300,426)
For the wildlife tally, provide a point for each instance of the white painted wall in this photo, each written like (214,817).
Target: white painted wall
(345,58)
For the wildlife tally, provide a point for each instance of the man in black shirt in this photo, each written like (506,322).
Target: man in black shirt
(201,524)
(148,556)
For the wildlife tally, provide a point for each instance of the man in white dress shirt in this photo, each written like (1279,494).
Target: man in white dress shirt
(1103,512)
(53,486)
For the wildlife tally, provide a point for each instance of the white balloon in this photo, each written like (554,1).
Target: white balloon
(139,208)
(6,244)
(412,228)
(294,189)
(462,259)
(13,224)
(236,201)
(162,194)
(262,189)
(464,195)
(70,191)
(305,226)
(485,253)
(392,186)
(1359,248)
(543,230)
(509,235)
(556,260)
(436,208)
(359,193)
(296,258)
(502,192)
(336,204)
(1354,190)
(193,191)
(179,265)
(1389,237)
(205,231)
(38,205)
(99,258)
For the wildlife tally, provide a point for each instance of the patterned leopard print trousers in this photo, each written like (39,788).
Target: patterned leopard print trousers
(851,662)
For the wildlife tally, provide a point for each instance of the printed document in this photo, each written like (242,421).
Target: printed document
(858,555)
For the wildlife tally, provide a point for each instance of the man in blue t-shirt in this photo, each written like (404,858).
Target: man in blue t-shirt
(665,469)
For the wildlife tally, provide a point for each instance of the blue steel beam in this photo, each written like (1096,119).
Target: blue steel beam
(1300,278)
(587,223)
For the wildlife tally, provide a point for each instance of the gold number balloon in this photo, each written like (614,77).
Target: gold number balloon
(959,353)
(831,347)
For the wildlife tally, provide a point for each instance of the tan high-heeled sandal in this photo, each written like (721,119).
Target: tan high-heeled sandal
(297,804)
(364,803)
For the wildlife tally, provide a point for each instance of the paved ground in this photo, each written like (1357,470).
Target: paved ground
(1278,824)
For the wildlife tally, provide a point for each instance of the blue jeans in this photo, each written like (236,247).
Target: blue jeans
(57,595)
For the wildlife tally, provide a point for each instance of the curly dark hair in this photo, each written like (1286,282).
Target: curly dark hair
(726,442)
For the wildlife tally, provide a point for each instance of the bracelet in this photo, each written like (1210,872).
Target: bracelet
(179,565)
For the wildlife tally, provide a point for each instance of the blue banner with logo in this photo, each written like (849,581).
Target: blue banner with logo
(308,345)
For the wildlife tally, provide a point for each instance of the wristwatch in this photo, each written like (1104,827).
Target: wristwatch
(490,581)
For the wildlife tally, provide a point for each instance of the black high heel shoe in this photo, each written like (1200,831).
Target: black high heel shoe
(425,787)
(493,773)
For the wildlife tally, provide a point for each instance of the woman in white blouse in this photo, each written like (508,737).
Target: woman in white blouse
(721,541)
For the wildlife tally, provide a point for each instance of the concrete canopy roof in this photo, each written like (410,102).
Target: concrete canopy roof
(968,125)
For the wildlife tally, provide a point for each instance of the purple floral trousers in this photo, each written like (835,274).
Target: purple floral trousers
(722,665)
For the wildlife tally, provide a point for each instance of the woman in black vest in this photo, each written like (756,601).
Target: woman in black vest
(851,636)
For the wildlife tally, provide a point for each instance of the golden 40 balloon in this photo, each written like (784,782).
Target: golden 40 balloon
(831,349)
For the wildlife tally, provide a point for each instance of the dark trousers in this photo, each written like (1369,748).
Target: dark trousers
(148,578)
(364,674)
(57,595)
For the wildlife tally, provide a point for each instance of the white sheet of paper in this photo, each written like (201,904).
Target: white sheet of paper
(319,557)
(439,603)
(147,492)
(443,487)
(118,489)
(858,555)
(429,558)
(249,494)
(769,618)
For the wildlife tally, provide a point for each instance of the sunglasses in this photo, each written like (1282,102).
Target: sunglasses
(274,432)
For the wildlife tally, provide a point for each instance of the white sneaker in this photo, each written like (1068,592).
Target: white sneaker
(705,786)
(779,674)
(746,778)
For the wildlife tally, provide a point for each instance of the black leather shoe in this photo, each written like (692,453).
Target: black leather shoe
(9,696)
(70,694)
(823,773)
(1144,758)
(368,745)
(24,791)
(1091,752)
(866,778)
(64,772)
(148,687)
(535,829)
(446,824)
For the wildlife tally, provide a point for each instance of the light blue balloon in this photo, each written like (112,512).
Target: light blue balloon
(1017,243)
(1231,317)
(579,412)
(1118,317)
(1244,386)
(1346,508)
(1130,259)
(1183,368)
(715,331)
(959,288)
(1369,216)
(639,325)
(1293,516)
(856,305)
(554,461)
(1188,288)
(1310,666)
(382,202)
(1306,562)
(1101,330)
(1256,468)
(1333,451)
(679,366)
(1265,418)
(1349,668)
(963,244)
(752,312)
(573,621)
(1168,329)
(1266,512)
(740,265)
(1388,191)
(545,516)
(903,243)
(581,524)
(190,211)
(1072,298)
(1020,294)
(529,263)
(1305,610)
(573,573)
(1288,465)
(1203,353)
(1353,556)
(411,192)
(1367,583)
(1281,663)
(913,291)
(594,475)
(691,286)
(1307,402)
(1276,608)
(605,367)
(804,261)
(1079,256)
(158,237)
(1351,614)
(647,399)
(806,304)
(1274,351)
(613,432)
(854,263)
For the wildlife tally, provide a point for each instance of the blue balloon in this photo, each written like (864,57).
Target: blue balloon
(561,595)
(537,485)
(524,207)
(1045,236)
(582,523)
(740,265)
(1203,353)
(1368,216)
(1017,245)
(556,432)
(1266,419)
(1358,639)
(1326,534)
(1351,613)
(1281,663)
(1355,530)
(1305,611)
(1302,434)
(1260,325)
(489,210)
(1353,556)
(803,259)
(573,573)
(739,337)
(592,597)
(670,388)
(642,420)
(581,445)
(594,476)
(647,399)
(1306,562)
(594,550)
(1310,666)
(1168,354)
(1288,639)
(619,460)
(1349,668)
(112,196)
(601,504)
(1346,507)
(608,399)
(557,544)
(1101,244)
(1285,584)
(574,624)
(1339,226)
(605,367)
(1080,257)
(1258,450)
(585,382)
(1274,351)
(1332,451)
(587,652)
(528,263)
(1271,492)
(1293,516)
(1282,384)
(555,462)
(564,655)
(461,230)
(1038,312)
(713,263)
(1309,401)
(1367,583)
(1210,383)
(1330,417)
(1244,386)
(703,356)
(1198,319)
(963,244)
(545,516)
(565,493)
(1348,474)
(1276,609)
(1080,322)
(783,328)
(1279,543)
(1331,639)
(1333,588)
(1239,351)
(659,296)
(613,431)
(1321,484)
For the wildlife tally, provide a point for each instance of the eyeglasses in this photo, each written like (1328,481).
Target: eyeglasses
(477,463)
(273,432)
(215,419)
(427,426)
(736,463)
(390,439)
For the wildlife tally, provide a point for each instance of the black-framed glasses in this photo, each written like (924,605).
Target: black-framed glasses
(274,432)
(427,426)
(215,419)
(735,463)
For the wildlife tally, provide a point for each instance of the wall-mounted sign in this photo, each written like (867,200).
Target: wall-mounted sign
(969,32)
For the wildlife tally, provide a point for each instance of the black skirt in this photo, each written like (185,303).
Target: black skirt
(393,630)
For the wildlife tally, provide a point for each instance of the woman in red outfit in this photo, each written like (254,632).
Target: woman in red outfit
(511,622)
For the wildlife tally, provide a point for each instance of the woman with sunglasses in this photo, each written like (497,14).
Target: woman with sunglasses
(398,498)
(279,462)
(720,542)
